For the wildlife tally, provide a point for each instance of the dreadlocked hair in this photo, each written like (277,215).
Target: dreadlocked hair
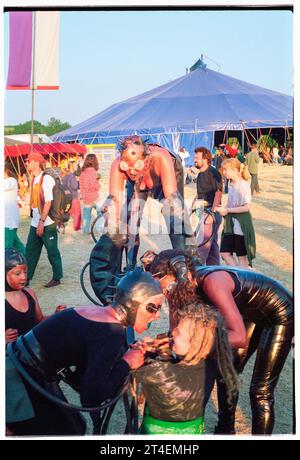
(208,333)
(161,262)
(225,360)
(183,293)
(202,324)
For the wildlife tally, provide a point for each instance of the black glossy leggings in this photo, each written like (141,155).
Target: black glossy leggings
(272,345)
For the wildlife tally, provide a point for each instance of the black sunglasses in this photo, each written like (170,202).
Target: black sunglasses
(152,308)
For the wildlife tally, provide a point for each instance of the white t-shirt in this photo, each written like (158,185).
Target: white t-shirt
(183,155)
(12,212)
(239,193)
(48,184)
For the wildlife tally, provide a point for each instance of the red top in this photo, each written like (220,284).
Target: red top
(89,186)
(232,152)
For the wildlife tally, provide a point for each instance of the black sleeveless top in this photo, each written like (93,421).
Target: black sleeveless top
(22,321)
(259,298)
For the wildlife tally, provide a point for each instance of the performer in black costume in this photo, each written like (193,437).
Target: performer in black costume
(91,338)
(178,375)
(147,170)
(267,310)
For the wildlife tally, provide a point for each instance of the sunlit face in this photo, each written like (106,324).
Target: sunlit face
(181,337)
(147,312)
(198,161)
(32,165)
(17,277)
(134,157)
(229,173)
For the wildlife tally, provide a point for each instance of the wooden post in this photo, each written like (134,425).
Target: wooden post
(18,163)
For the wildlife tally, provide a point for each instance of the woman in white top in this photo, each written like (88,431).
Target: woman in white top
(238,236)
(12,212)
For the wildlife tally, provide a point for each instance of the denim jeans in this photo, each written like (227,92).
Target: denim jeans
(87,215)
(210,252)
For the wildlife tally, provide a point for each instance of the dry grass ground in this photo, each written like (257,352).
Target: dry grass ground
(273,219)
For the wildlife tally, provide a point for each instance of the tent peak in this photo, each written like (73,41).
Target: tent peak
(199,64)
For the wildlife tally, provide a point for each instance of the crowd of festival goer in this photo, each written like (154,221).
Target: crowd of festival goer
(219,315)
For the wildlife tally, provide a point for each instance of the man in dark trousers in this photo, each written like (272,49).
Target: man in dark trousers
(252,162)
(209,196)
(43,231)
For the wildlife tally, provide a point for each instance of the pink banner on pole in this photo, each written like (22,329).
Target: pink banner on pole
(20,50)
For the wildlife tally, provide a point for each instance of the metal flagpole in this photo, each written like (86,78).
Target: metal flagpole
(32,82)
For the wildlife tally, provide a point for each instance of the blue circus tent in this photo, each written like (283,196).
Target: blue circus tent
(186,112)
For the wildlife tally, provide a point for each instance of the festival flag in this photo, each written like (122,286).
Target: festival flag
(20,50)
(34,50)
(46,50)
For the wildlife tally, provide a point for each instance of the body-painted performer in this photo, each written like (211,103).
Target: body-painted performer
(22,309)
(177,381)
(91,338)
(147,170)
(267,311)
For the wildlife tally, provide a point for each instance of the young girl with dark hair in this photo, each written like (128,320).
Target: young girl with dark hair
(22,309)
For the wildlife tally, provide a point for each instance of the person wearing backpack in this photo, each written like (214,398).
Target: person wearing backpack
(43,230)
(69,180)
(89,190)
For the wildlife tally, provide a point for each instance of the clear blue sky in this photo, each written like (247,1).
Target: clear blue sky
(106,57)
